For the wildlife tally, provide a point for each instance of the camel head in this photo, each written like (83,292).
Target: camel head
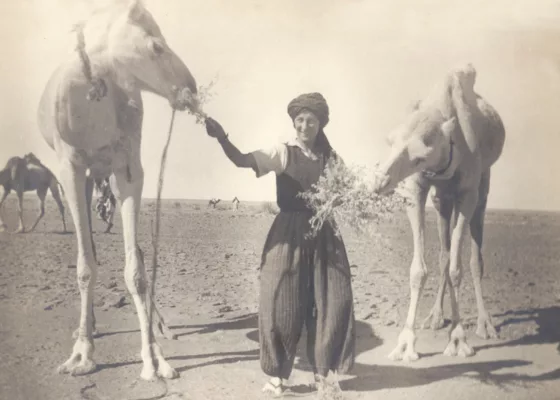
(31,158)
(125,41)
(423,143)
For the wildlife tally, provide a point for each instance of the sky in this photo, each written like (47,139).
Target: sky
(370,59)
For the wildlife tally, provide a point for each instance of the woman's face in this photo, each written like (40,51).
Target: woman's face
(307,127)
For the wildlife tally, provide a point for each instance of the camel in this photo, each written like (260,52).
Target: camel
(449,141)
(90,114)
(28,174)
(235,203)
(213,202)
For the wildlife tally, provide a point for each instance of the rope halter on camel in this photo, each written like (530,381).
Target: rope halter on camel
(98,88)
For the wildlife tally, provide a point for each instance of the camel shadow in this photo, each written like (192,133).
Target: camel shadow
(371,378)
(64,233)
(247,321)
(547,327)
(222,358)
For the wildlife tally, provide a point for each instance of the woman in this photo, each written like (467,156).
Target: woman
(302,280)
(105,206)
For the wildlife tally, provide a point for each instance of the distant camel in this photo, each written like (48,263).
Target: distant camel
(449,141)
(213,202)
(28,174)
(235,203)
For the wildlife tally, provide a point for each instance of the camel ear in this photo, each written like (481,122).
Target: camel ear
(135,10)
(449,126)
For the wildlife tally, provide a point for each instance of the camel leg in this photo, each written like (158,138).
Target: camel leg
(73,179)
(57,198)
(89,194)
(485,329)
(21,228)
(464,209)
(162,328)
(444,206)
(418,273)
(129,196)
(41,193)
(4,195)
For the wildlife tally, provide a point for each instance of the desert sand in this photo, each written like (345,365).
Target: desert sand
(207,290)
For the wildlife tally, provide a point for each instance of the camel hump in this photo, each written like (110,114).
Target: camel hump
(16,165)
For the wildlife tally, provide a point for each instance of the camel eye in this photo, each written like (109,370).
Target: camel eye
(157,47)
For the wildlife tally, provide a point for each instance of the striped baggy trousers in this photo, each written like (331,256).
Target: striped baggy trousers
(305,282)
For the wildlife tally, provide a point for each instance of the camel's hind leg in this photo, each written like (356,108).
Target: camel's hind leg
(73,179)
(41,193)
(129,196)
(443,203)
(4,195)
(57,198)
(485,329)
(20,228)
(162,329)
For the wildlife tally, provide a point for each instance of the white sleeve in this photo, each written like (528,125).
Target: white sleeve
(273,159)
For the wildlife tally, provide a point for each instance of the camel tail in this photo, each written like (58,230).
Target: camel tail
(55,185)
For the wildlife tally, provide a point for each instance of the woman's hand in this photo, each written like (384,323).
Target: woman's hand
(214,129)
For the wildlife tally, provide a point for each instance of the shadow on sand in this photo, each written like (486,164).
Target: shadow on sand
(369,377)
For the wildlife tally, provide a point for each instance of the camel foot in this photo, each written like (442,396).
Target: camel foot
(80,362)
(485,329)
(163,331)
(20,229)
(108,230)
(434,320)
(166,371)
(148,372)
(458,345)
(2,228)
(404,351)
(273,387)
(158,367)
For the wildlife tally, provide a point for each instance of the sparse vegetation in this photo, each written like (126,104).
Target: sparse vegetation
(204,94)
(268,207)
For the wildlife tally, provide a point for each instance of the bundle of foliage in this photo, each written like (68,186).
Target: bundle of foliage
(345,194)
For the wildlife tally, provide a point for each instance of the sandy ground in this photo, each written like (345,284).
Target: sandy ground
(207,290)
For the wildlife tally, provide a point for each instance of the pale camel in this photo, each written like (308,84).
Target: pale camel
(235,203)
(449,141)
(28,174)
(91,114)
(213,202)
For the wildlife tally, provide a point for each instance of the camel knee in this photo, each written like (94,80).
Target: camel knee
(418,275)
(134,275)
(86,275)
(455,276)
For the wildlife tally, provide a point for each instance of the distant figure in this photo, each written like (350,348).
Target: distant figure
(235,204)
(105,206)
(213,202)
